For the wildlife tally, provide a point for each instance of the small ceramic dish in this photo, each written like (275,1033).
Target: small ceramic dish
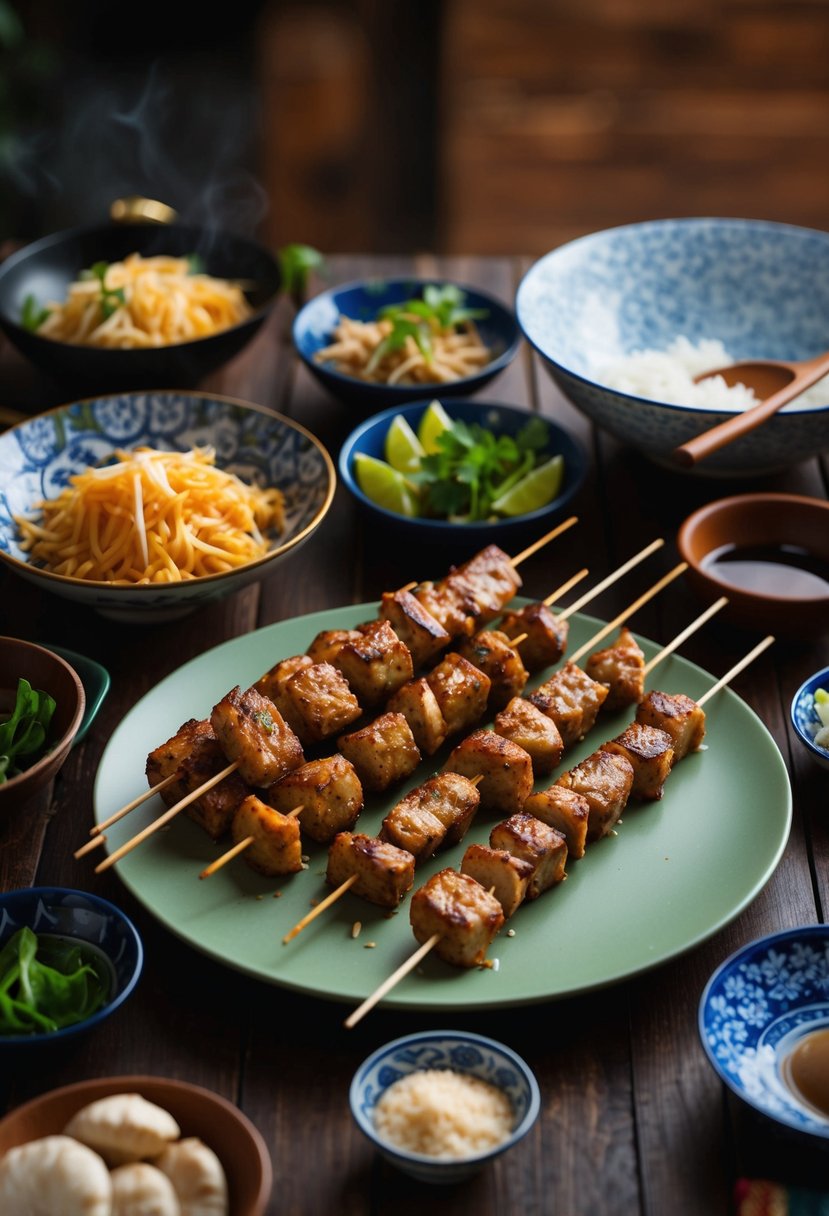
(47,672)
(769,554)
(199,1112)
(96,682)
(314,325)
(756,1009)
(92,922)
(38,456)
(457,1051)
(805,718)
(369,438)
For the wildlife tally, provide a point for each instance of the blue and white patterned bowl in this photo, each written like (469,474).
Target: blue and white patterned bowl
(761,288)
(38,457)
(804,715)
(755,1008)
(314,325)
(462,1052)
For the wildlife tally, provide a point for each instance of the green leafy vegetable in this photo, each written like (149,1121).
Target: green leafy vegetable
(32,315)
(296,263)
(441,308)
(23,732)
(111,300)
(47,983)
(473,467)
(195,264)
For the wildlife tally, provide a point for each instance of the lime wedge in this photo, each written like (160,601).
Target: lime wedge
(535,490)
(403,449)
(435,419)
(384,485)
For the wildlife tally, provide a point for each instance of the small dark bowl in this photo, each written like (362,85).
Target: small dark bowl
(765,521)
(49,673)
(89,919)
(45,268)
(369,437)
(199,1112)
(314,324)
(805,718)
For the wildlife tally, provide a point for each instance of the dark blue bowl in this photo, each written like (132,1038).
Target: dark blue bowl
(804,716)
(89,919)
(369,437)
(314,325)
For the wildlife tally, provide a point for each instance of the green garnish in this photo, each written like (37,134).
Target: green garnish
(111,301)
(440,309)
(473,467)
(32,315)
(265,720)
(195,263)
(23,732)
(296,262)
(46,983)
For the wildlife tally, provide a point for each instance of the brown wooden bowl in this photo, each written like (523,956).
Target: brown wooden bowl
(757,525)
(198,1112)
(50,673)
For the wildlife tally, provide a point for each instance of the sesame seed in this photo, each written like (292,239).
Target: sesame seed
(496,964)
(369,945)
(510,933)
(355,928)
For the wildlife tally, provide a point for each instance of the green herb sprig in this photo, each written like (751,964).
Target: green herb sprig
(296,263)
(441,308)
(32,315)
(23,733)
(40,994)
(473,467)
(111,299)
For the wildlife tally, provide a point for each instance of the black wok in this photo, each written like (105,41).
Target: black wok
(45,268)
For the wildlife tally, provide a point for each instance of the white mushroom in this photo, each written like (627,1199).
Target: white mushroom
(123,1128)
(54,1176)
(198,1177)
(139,1189)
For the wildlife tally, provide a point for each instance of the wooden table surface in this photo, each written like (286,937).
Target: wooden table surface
(633,1119)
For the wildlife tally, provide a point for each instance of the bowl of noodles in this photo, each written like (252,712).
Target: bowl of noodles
(148,505)
(135,305)
(383,342)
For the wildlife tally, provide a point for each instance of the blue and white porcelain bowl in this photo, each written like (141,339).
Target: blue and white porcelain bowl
(761,288)
(314,325)
(804,715)
(756,1007)
(444,1049)
(37,458)
(90,921)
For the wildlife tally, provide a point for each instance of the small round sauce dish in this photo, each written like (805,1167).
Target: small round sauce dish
(768,553)
(764,1025)
(498,1081)
(806,715)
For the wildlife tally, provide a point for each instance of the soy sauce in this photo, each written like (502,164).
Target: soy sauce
(788,572)
(806,1070)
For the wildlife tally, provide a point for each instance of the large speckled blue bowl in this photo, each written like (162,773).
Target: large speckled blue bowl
(761,288)
(38,457)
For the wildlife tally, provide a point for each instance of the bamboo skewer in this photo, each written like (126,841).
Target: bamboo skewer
(736,669)
(566,586)
(89,846)
(320,907)
(622,616)
(238,848)
(611,578)
(544,540)
(685,634)
(125,810)
(403,970)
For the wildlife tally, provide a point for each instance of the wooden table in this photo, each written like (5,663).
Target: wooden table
(633,1119)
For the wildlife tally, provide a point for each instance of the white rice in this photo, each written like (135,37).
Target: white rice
(445,1114)
(668,375)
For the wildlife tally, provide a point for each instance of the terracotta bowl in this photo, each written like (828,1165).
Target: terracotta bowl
(50,673)
(781,528)
(198,1112)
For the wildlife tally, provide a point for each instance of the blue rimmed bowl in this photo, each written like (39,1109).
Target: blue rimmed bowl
(369,438)
(38,456)
(804,716)
(755,1009)
(314,326)
(459,1051)
(760,287)
(87,919)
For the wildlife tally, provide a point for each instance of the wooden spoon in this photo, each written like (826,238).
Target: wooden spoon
(775,381)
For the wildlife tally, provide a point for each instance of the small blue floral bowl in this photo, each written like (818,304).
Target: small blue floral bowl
(38,456)
(315,323)
(761,288)
(804,716)
(88,919)
(444,1049)
(755,1009)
